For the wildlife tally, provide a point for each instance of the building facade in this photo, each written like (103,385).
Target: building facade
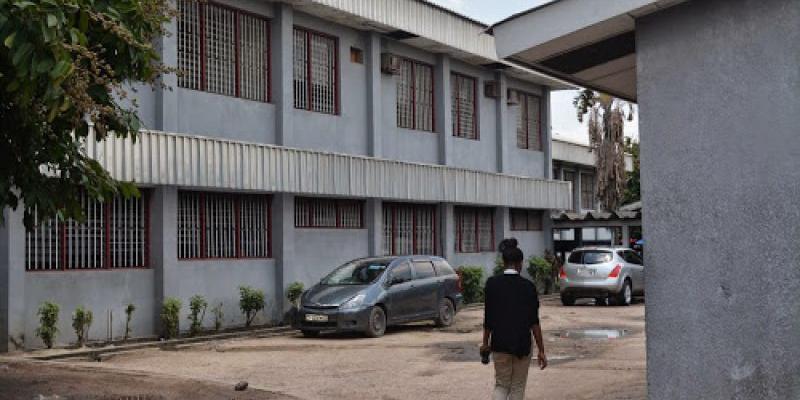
(299,135)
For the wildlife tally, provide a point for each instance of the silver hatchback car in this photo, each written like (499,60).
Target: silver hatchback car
(607,274)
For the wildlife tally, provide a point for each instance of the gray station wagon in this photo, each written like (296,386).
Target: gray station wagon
(369,294)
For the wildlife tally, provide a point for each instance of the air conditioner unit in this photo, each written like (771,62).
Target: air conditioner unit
(512,97)
(492,89)
(390,64)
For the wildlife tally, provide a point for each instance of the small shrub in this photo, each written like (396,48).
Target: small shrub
(471,283)
(197,313)
(294,291)
(499,266)
(48,319)
(170,314)
(81,322)
(128,316)
(251,301)
(541,271)
(218,316)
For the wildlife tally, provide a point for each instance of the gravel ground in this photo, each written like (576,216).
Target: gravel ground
(411,362)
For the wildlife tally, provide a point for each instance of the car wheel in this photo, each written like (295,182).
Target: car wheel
(310,334)
(446,313)
(625,296)
(377,322)
(567,300)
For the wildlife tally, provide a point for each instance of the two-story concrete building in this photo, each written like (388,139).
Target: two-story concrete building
(299,135)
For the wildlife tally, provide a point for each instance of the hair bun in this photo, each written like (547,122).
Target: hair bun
(507,244)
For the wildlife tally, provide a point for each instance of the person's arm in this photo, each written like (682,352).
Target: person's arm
(488,322)
(537,335)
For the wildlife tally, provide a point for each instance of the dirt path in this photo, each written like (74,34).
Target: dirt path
(414,362)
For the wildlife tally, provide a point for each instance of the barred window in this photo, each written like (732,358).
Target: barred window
(587,191)
(526,220)
(223,50)
(219,225)
(316,63)
(113,235)
(328,213)
(474,229)
(415,96)
(529,122)
(464,90)
(409,229)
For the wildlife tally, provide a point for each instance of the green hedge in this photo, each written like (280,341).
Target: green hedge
(471,283)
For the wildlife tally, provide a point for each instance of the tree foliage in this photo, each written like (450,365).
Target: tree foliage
(606,122)
(64,65)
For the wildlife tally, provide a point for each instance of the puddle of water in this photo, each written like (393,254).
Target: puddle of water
(593,334)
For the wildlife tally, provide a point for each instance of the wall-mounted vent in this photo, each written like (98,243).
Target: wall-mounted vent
(491,89)
(390,64)
(512,97)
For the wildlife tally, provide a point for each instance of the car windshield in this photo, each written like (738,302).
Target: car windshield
(361,272)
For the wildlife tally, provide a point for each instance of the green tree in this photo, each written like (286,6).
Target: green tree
(633,185)
(64,65)
(606,123)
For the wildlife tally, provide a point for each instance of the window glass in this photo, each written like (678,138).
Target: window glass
(634,258)
(424,269)
(415,96)
(576,257)
(443,268)
(401,273)
(464,106)
(596,257)
(315,72)
(360,272)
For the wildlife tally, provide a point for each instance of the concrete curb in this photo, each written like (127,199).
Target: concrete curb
(95,353)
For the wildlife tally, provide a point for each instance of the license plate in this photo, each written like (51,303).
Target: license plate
(316,318)
(585,272)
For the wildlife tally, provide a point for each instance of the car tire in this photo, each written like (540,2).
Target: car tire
(376,326)
(310,334)
(567,300)
(625,296)
(447,313)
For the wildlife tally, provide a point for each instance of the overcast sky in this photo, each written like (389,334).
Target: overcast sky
(565,123)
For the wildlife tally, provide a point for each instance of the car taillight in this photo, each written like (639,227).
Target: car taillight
(615,272)
(562,273)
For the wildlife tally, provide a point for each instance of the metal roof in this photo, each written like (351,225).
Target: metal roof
(430,27)
(160,158)
(587,42)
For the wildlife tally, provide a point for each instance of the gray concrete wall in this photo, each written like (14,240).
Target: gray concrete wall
(718,96)
(321,250)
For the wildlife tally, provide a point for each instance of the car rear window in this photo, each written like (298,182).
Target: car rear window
(590,257)
(443,268)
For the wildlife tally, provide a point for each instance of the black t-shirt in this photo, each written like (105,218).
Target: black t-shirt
(511,309)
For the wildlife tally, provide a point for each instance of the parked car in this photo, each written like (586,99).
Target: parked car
(607,274)
(369,294)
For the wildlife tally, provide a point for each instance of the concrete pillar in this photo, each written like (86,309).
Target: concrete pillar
(283,73)
(626,235)
(576,192)
(720,190)
(547,135)
(505,136)
(373,218)
(12,281)
(166,98)
(447,238)
(443,107)
(502,224)
(372,55)
(283,245)
(163,246)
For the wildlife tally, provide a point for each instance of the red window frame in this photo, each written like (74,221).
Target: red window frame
(526,216)
(416,209)
(338,204)
(459,213)
(309,70)
(457,107)
(413,90)
(107,259)
(201,25)
(201,215)
(524,122)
